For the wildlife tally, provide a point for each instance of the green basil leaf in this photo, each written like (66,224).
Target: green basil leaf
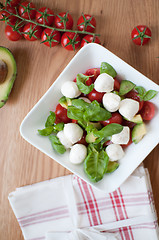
(125,87)
(46,131)
(81,83)
(80,103)
(50,120)
(112,166)
(74,113)
(107,68)
(109,130)
(59,127)
(95,165)
(149,95)
(95,113)
(56,144)
(141,91)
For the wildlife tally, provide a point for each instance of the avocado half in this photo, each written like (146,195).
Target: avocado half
(5,88)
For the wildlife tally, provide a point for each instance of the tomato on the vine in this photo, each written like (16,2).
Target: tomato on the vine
(64,20)
(70,41)
(32,32)
(50,37)
(45,16)
(90,39)
(115,118)
(148,111)
(94,95)
(86,23)
(61,113)
(6,16)
(93,72)
(13,3)
(134,95)
(12,34)
(141,34)
(27,10)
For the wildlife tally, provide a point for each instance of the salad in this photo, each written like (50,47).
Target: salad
(97,117)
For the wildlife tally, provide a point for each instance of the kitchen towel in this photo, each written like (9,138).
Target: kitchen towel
(69,208)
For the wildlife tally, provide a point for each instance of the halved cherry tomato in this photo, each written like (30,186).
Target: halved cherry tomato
(4,14)
(94,95)
(70,41)
(148,111)
(87,23)
(83,140)
(64,20)
(94,72)
(116,84)
(89,39)
(27,10)
(134,95)
(74,121)
(32,32)
(128,123)
(115,118)
(50,38)
(45,16)
(61,113)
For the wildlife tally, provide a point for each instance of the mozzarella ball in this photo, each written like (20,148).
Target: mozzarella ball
(78,153)
(128,108)
(73,132)
(63,139)
(122,137)
(70,89)
(115,152)
(104,83)
(111,102)
(85,99)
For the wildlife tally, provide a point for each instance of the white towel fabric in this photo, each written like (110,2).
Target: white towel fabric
(69,208)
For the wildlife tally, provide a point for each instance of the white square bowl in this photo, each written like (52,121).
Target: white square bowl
(91,56)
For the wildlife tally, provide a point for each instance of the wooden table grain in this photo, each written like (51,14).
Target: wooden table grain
(38,67)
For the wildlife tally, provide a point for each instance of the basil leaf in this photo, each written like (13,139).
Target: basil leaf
(125,87)
(96,113)
(50,120)
(107,68)
(74,113)
(80,103)
(141,91)
(95,165)
(109,130)
(112,166)
(81,83)
(46,131)
(59,127)
(149,95)
(56,144)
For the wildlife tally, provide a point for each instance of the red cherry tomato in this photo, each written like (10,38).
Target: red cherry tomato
(83,140)
(23,12)
(141,34)
(45,16)
(89,39)
(74,121)
(128,123)
(12,34)
(126,145)
(116,85)
(94,72)
(115,118)
(134,95)
(64,20)
(86,23)
(61,114)
(107,143)
(13,3)
(148,111)
(32,32)
(94,95)
(4,14)
(50,38)
(70,41)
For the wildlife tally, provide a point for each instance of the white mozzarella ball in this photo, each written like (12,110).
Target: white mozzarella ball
(85,99)
(104,83)
(115,152)
(122,137)
(73,132)
(70,89)
(128,108)
(111,101)
(78,153)
(63,139)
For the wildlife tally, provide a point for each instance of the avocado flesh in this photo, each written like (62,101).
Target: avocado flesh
(138,132)
(6,87)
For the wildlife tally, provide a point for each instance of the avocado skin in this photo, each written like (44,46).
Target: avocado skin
(4,50)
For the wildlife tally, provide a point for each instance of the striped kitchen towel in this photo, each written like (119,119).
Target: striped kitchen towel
(69,208)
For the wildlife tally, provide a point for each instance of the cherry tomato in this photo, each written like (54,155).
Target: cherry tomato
(64,20)
(13,3)
(45,16)
(88,82)
(89,39)
(61,114)
(83,140)
(94,95)
(116,84)
(4,14)
(23,10)
(12,34)
(58,120)
(115,118)
(148,111)
(32,32)
(128,123)
(107,143)
(70,41)
(134,95)
(126,145)
(50,38)
(93,72)
(86,23)
(74,121)
(141,34)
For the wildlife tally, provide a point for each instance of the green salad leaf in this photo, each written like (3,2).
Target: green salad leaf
(74,113)
(141,90)
(145,95)
(56,144)
(108,130)
(81,83)
(107,68)
(46,131)
(50,120)
(125,87)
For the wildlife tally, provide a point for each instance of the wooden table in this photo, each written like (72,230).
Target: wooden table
(38,67)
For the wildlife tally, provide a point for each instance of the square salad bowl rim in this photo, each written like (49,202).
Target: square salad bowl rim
(91,56)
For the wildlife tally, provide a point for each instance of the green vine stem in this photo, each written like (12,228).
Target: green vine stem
(45,26)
